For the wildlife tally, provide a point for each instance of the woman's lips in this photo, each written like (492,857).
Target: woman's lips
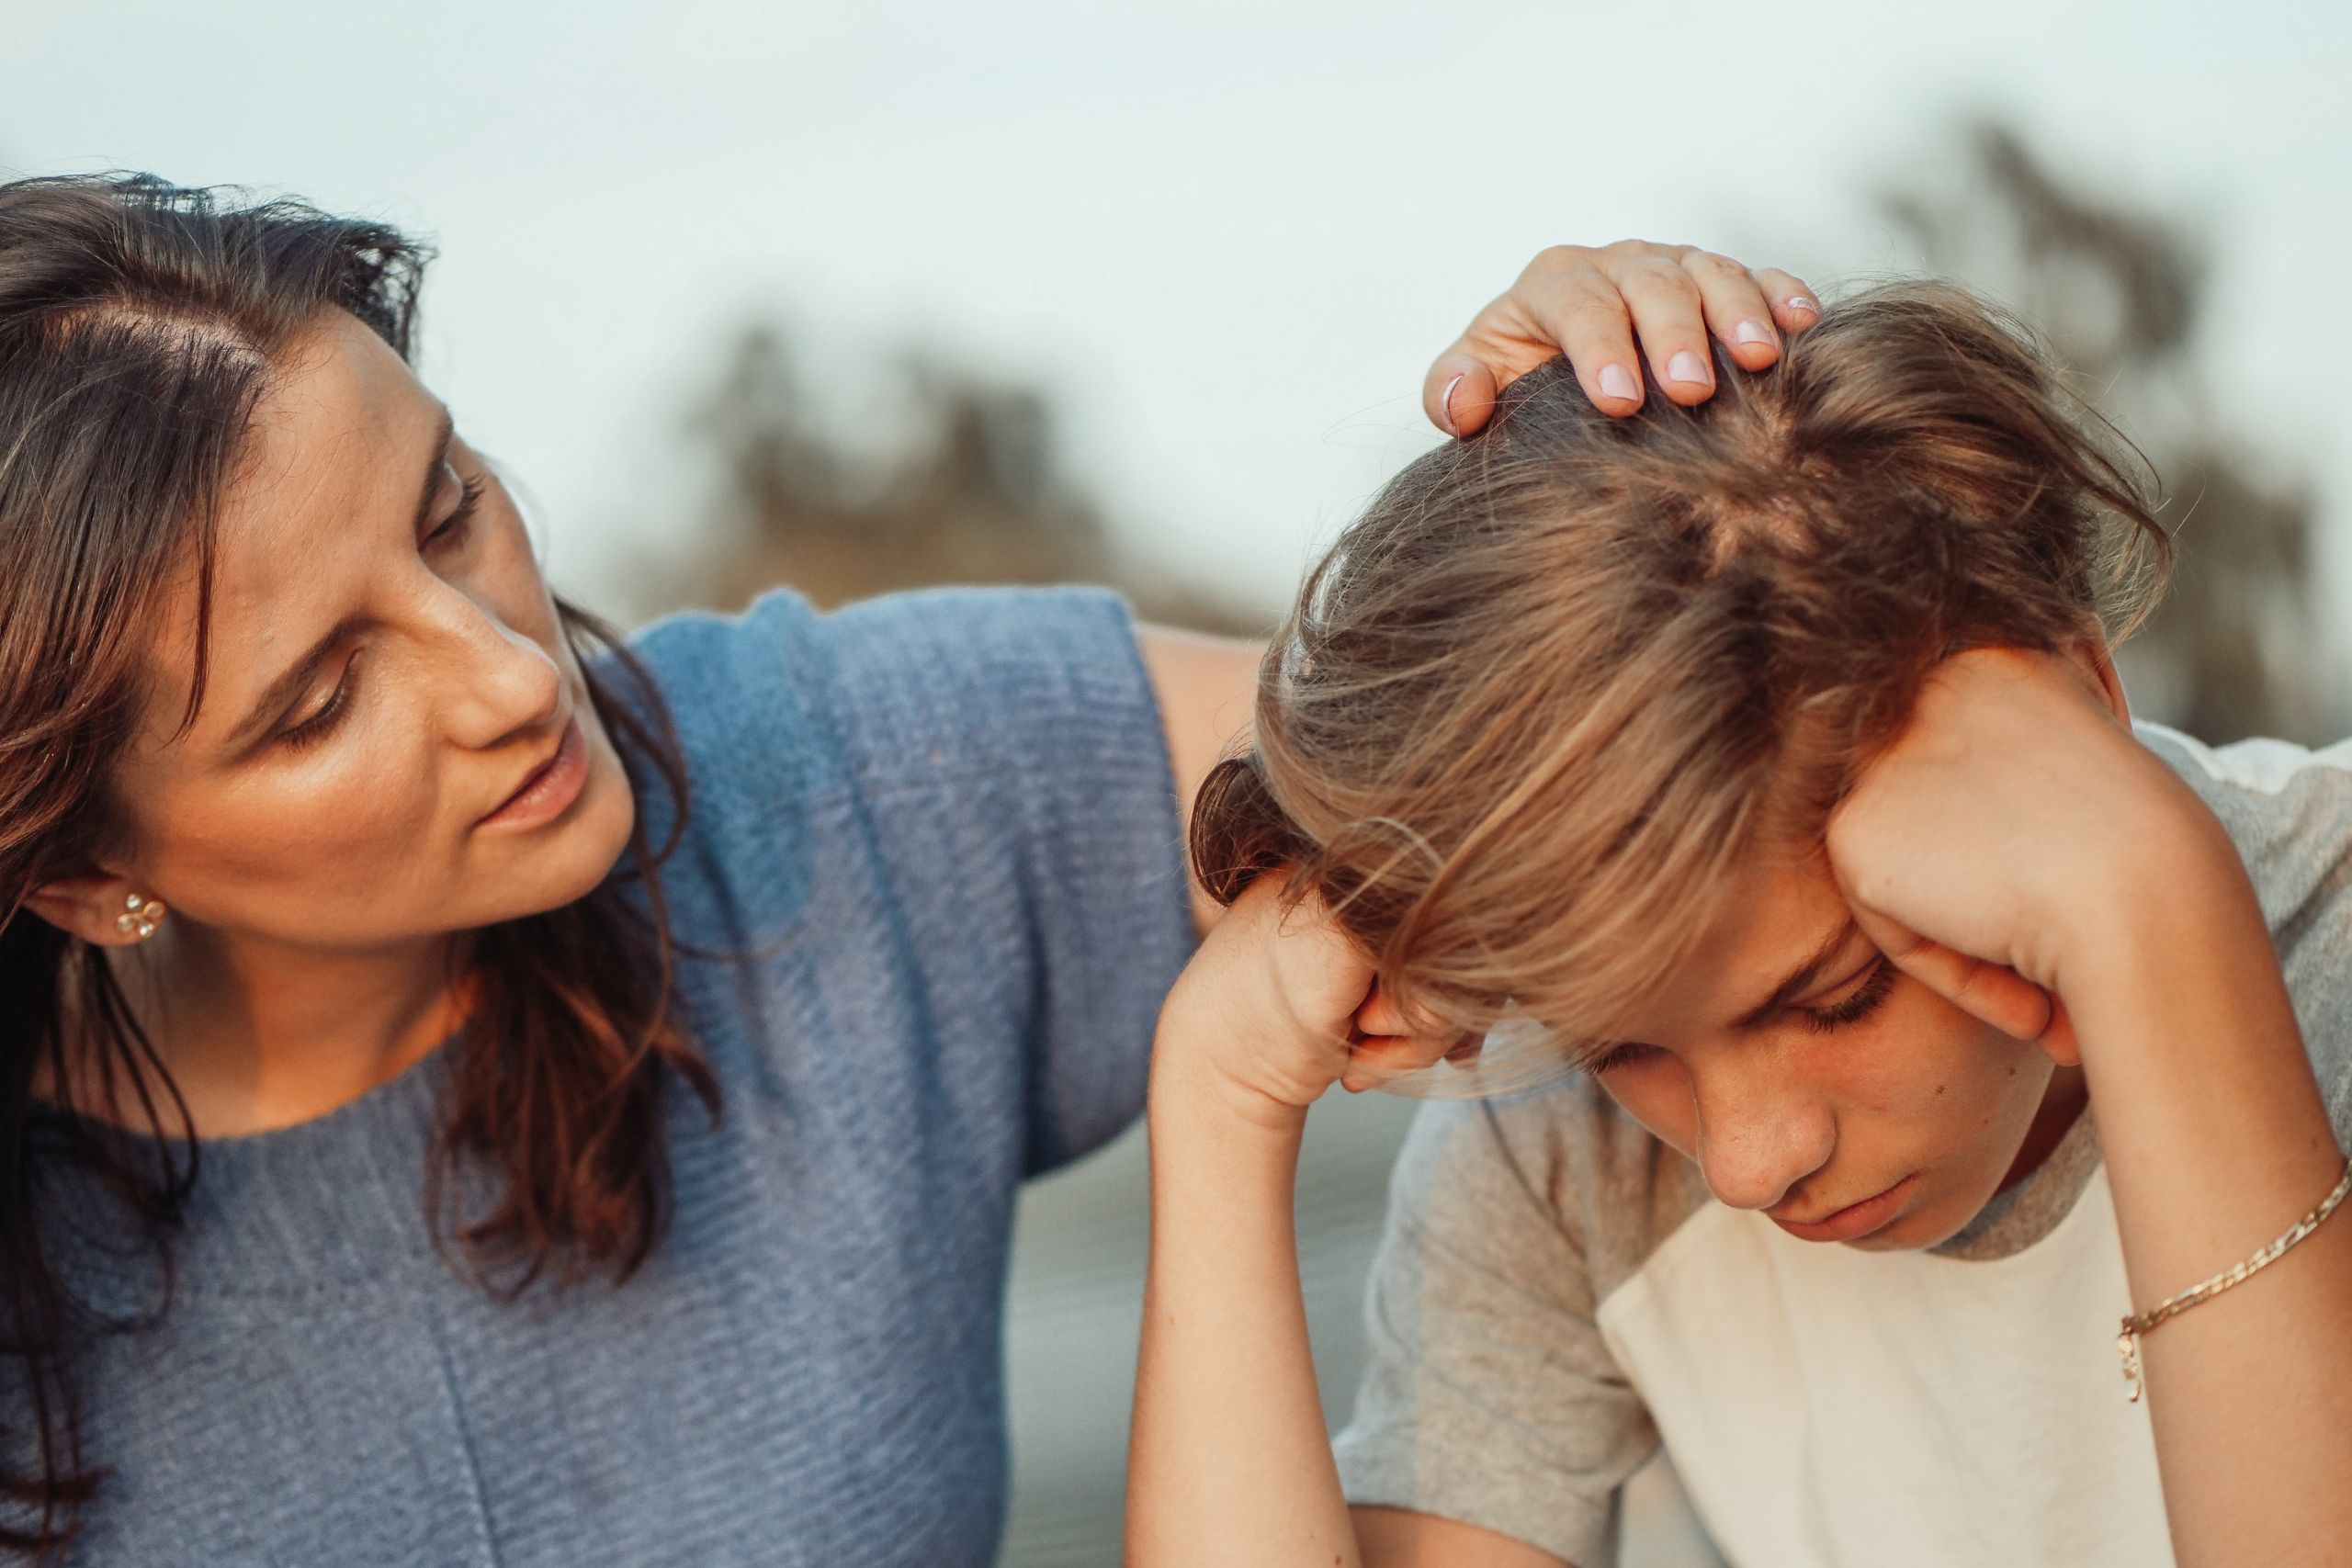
(550,788)
(1856,1220)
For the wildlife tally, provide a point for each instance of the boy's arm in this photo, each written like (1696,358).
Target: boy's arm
(1490,1400)
(2018,850)
(1394,1537)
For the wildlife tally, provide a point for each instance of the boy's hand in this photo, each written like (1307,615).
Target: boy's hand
(1593,304)
(2010,829)
(1277,1006)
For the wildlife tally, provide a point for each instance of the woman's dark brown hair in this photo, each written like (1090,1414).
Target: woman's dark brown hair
(1541,700)
(139,323)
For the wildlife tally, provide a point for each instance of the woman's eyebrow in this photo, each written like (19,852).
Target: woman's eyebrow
(290,685)
(1801,979)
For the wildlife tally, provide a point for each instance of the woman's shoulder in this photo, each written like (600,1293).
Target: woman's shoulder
(906,687)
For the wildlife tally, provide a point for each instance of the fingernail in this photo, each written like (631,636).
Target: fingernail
(1803,302)
(1616,382)
(1686,366)
(1752,331)
(1446,406)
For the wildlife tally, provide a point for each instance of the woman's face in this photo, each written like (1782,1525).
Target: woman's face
(1809,1078)
(395,741)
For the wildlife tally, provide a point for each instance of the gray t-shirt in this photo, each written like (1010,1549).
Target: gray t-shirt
(1557,1292)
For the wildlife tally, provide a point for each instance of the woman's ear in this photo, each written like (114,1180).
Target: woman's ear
(102,909)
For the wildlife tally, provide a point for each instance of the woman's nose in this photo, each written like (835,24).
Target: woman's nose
(505,683)
(1758,1137)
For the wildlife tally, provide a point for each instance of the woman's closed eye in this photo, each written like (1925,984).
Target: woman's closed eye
(452,529)
(449,533)
(324,719)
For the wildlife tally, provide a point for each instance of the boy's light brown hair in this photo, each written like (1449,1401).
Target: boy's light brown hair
(1561,679)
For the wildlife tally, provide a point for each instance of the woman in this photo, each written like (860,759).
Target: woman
(371,997)
(1767,755)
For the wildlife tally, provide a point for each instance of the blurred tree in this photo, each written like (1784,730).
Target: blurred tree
(970,485)
(2241,645)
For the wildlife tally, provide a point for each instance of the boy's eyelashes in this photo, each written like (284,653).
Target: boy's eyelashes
(1857,1004)
(1869,993)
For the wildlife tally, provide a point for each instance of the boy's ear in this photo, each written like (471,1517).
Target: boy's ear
(93,907)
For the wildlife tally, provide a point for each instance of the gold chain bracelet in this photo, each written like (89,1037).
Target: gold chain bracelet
(2127,1343)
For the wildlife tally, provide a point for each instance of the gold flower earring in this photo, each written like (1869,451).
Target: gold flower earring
(141,914)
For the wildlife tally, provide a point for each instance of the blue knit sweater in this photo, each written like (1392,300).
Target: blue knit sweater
(944,824)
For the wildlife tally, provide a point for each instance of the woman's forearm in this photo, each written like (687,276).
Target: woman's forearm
(1229,1462)
(2216,1141)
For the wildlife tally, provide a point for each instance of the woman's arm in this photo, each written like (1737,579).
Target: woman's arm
(1229,1462)
(2017,832)
(1608,310)
(1206,686)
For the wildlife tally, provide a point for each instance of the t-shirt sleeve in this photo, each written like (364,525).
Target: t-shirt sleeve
(2288,811)
(1008,745)
(1490,1396)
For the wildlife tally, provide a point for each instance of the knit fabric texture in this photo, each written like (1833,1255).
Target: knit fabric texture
(941,828)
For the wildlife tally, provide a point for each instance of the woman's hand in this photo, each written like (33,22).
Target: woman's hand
(2009,829)
(1593,304)
(1278,1005)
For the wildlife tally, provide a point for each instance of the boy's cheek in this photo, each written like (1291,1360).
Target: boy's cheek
(1665,1111)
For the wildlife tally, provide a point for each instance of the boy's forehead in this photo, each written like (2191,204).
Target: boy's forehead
(1777,914)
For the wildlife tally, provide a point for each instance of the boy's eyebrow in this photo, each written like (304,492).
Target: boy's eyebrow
(1801,979)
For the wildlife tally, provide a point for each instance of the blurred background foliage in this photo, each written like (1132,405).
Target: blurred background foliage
(971,483)
(2242,644)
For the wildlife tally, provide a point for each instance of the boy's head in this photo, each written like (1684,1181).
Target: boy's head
(1559,722)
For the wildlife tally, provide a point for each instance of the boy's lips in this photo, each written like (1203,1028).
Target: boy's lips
(1852,1221)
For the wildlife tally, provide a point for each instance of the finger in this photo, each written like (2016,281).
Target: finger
(1372,1063)
(1735,310)
(1593,329)
(1568,300)
(1668,319)
(1997,995)
(1314,970)
(1794,306)
(1382,1015)
(2059,1039)
(1459,393)
(1563,303)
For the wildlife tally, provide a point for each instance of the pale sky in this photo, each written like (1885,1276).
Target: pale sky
(1230,234)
